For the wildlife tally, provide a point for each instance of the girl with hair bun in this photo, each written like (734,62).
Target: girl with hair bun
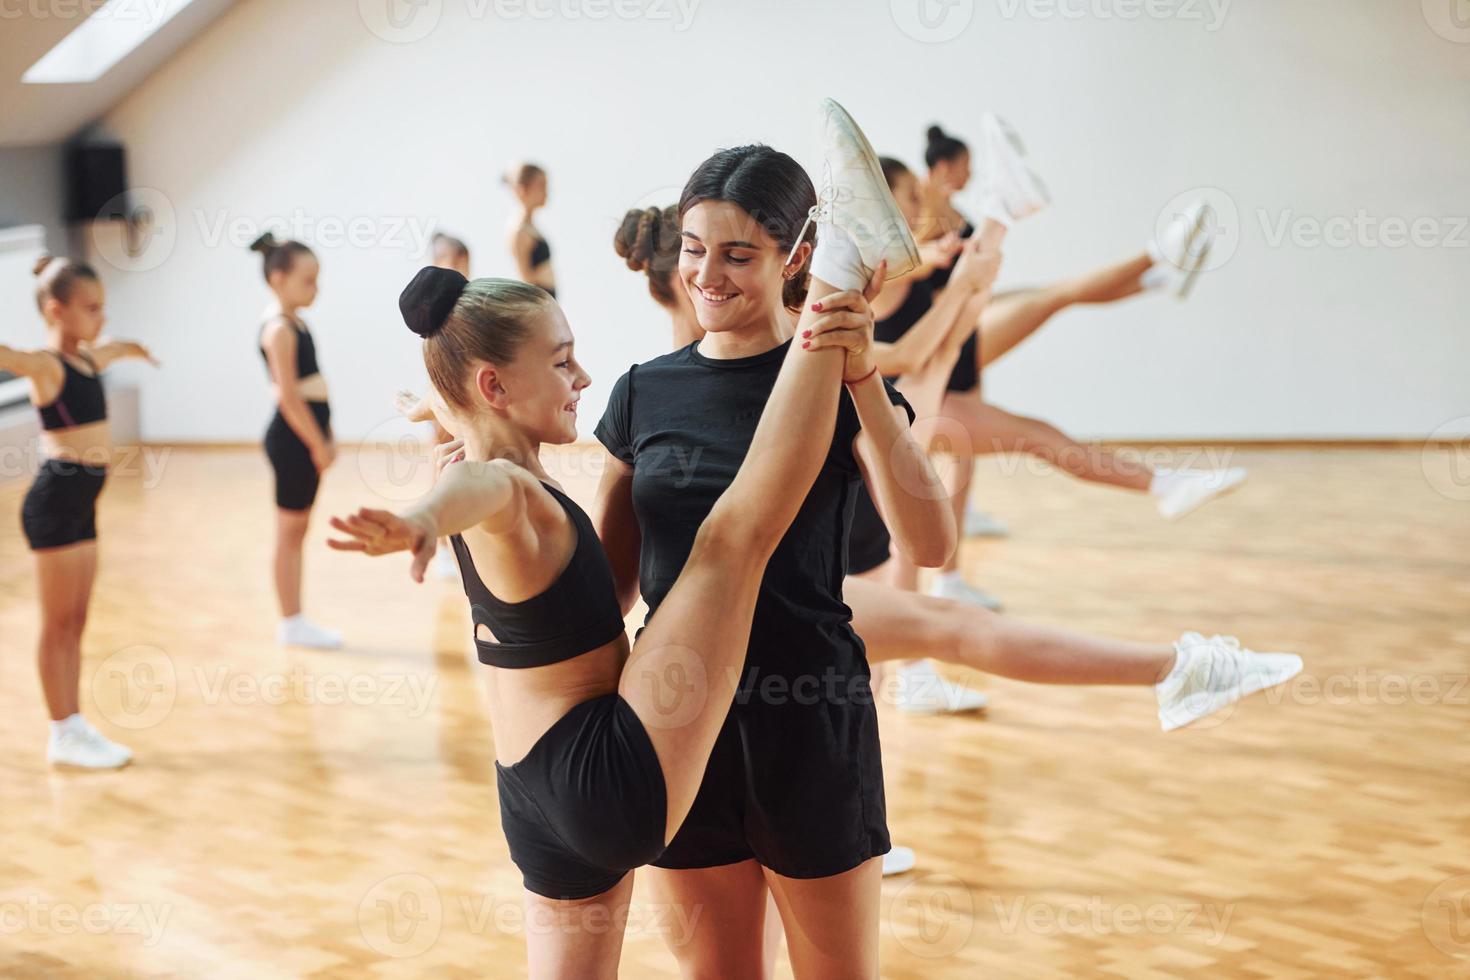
(604,751)
(298,441)
(528,247)
(59,513)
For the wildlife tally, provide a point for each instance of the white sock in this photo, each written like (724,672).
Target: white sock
(1155,277)
(293,620)
(73,722)
(1162,483)
(993,208)
(837,260)
(948,578)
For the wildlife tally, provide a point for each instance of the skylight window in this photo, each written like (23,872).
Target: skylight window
(102,40)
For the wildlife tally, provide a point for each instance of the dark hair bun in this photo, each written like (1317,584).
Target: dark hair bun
(265,243)
(429,298)
(41,264)
(936,135)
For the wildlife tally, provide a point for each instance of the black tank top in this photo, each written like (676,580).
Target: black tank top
(918,301)
(577,613)
(305,350)
(939,278)
(80,400)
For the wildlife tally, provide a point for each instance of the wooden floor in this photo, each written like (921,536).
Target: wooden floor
(333,814)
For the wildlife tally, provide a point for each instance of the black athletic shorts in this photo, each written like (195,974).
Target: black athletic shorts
(966,373)
(61,506)
(587,804)
(795,780)
(296,475)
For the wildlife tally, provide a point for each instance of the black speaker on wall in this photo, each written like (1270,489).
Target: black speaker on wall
(96,183)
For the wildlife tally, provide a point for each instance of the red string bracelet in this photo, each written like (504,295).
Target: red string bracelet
(863,378)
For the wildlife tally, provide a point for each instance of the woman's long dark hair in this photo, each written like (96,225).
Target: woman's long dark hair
(768,185)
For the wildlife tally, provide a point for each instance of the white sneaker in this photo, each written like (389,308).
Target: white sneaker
(1177,492)
(1180,253)
(83,747)
(446,566)
(854,196)
(298,631)
(1012,188)
(921,691)
(956,588)
(979,524)
(898,860)
(1212,673)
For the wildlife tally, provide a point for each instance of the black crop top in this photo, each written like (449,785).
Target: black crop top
(80,401)
(540,252)
(919,300)
(577,613)
(306,364)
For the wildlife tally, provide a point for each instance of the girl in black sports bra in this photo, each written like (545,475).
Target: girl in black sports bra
(298,441)
(59,513)
(601,747)
(529,248)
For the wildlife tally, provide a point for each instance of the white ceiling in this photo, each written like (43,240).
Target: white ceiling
(50,113)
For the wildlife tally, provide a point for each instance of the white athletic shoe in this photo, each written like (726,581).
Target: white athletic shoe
(854,196)
(898,860)
(446,566)
(956,588)
(921,691)
(83,747)
(1012,188)
(1180,253)
(1177,492)
(979,524)
(298,631)
(1215,672)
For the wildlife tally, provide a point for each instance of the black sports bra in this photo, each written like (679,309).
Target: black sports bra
(305,351)
(577,613)
(80,401)
(918,301)
(540,252)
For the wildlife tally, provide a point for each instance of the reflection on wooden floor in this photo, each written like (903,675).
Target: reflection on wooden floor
(333,814)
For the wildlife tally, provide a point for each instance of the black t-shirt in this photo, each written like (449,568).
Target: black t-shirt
(684,422)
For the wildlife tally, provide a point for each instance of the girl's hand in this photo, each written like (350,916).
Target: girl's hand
(138,350)
(381,532)
(940,252)
(325,456)
(847,322)
(413,407)
(976,269)
(446,453)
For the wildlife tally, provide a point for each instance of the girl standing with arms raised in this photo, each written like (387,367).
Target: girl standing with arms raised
(298,442)
(59,514)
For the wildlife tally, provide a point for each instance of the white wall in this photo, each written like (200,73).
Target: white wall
(1313,109)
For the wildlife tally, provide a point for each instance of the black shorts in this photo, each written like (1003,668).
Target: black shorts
(587,804)
(61,506)
(296,475)
(795,780)
(966,373)
(869,543)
